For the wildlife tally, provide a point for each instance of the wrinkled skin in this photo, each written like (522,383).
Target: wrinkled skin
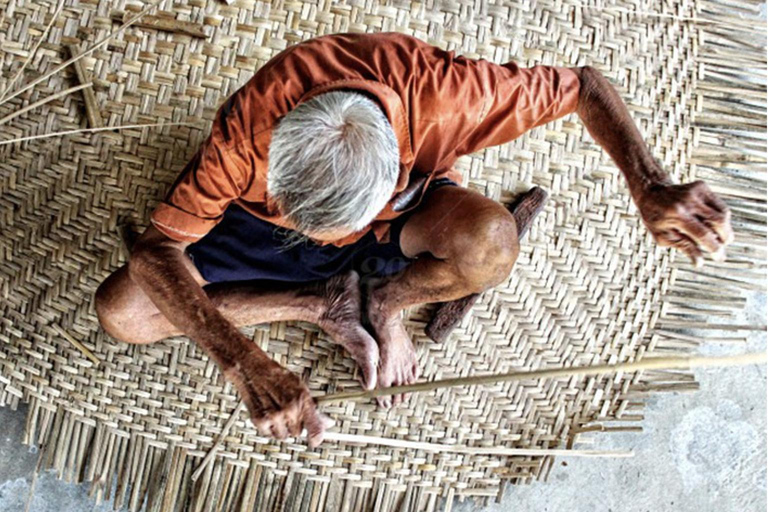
(341,319)
(278,402)
(688,217)
(463,242)
(399,362)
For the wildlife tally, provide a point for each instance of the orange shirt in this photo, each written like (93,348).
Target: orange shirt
(440,105)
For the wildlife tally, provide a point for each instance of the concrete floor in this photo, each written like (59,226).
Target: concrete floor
(699,452)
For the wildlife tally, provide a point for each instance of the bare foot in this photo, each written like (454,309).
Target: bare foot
(341,320)
(398,364)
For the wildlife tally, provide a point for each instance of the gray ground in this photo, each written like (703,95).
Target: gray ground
(699,452)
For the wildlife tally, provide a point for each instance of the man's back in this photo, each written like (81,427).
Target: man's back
(440,107)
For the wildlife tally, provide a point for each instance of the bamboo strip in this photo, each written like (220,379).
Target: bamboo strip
(87,52)
(216,445)
(681,324)
(164,23)
(351,465)
(33,483)
(95,130)
(82,348)
(43,102)
(470,450)
(122,474)
(33,51)
(89,96)
(646,364)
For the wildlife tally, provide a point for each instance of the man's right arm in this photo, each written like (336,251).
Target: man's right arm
(278,401)
(156,265)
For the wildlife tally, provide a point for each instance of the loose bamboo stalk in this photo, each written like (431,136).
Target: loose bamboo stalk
(94,130)
(165,24)
(33,484)
(91,105)
(87,52)
(219,440)
(82,348)
(645,364)
(33,51)
(413,445)
(44,101)
(690,324)
(471,450)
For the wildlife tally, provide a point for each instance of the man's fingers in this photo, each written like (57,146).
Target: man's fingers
(723,228)
(713,201)
(293,418)
(279,429)
(263,426)
(700,234)
(694,211)
(294,427)
(314,425)
(327,422)
(690,248)
(719,218)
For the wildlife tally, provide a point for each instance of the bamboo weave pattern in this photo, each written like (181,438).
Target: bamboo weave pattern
(589,286)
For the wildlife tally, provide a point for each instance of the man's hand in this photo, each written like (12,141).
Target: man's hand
(278,401)
(688,217)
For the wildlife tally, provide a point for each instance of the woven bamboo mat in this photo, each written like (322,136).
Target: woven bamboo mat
(589,286)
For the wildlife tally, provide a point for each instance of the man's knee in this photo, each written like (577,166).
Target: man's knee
(485,248)
(116,309)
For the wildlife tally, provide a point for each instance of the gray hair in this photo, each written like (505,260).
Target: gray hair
(333,163)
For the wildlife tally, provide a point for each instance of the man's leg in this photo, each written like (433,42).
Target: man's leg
(127,314)
(464,243)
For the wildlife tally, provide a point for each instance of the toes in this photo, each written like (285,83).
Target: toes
(262,426)
(293,427)
(366,352)
(385,402)
(363,349)
(370,371)
(415,372)
(278,430)
(413,376)
(327,421)
(368,380)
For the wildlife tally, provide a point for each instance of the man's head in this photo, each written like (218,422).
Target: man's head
(333,164)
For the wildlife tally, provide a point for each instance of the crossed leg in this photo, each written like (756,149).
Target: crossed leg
(463,243)
(127,314)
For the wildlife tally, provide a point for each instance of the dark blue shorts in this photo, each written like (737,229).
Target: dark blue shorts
(243,247)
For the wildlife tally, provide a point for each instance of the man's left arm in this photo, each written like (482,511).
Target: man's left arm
(689,217)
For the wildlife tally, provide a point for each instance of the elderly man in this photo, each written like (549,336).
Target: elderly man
(313,174)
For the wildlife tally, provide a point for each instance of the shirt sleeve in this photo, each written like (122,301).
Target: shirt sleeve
(520,99)
(217,175)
